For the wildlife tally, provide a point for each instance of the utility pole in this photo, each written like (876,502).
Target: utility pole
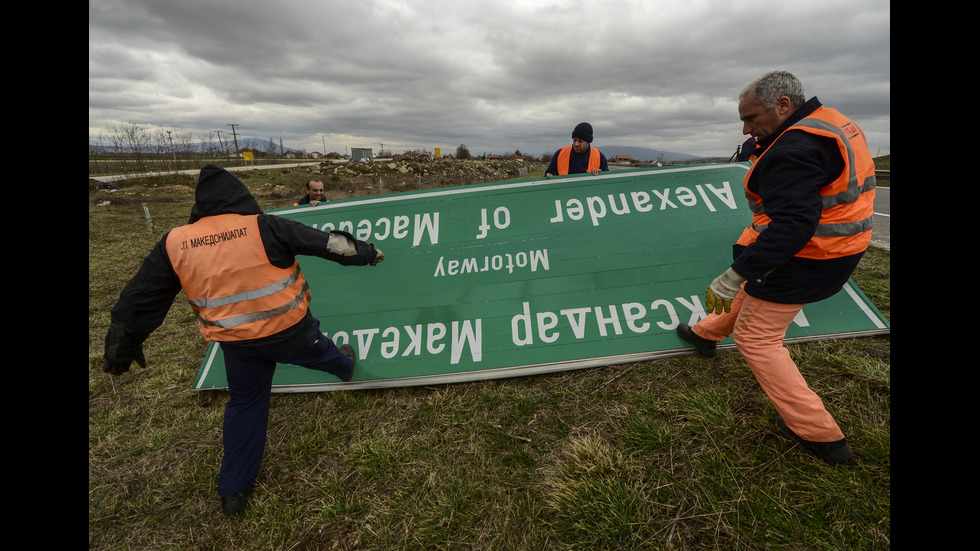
(171,138)
(235,135)
(223,146)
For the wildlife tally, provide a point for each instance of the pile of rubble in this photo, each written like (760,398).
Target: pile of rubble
(433,168)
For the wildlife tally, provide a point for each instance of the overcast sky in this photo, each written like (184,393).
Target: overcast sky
(495,76)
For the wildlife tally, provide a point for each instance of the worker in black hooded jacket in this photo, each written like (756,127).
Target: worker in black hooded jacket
(238,268)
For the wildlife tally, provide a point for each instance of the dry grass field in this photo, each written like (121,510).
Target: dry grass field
(676,454)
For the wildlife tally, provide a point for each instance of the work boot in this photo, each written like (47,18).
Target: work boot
(706,348)
(348,350)
(233,503)
(831,452)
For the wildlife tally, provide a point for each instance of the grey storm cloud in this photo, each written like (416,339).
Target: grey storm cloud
(496,77)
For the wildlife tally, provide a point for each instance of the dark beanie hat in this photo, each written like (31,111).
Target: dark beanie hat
(583,131)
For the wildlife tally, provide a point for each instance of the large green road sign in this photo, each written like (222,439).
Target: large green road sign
(531,276)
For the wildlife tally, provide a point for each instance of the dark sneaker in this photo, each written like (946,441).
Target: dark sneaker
(348,350)
(233,503)
(706,348)
(831,452)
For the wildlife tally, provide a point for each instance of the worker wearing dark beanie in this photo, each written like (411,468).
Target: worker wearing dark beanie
(583,131)
(580,157)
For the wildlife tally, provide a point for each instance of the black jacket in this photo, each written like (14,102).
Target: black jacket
(788,178)
(144,302)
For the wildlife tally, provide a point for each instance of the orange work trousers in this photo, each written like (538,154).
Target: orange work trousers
(759,327)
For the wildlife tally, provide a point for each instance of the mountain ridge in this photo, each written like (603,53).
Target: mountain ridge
(644,153)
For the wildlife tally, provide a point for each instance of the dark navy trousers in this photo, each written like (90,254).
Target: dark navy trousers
(249,371)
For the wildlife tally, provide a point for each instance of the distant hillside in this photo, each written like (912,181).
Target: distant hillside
(643,153)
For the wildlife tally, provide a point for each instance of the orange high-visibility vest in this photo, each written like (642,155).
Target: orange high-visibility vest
(236,293)
(566,153)
(848,202)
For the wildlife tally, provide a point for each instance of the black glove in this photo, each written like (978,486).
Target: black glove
(120,351)
(118,368)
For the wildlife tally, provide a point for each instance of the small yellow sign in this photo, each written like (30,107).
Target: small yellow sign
(247,155)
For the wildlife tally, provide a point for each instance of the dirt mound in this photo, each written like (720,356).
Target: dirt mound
(449,170)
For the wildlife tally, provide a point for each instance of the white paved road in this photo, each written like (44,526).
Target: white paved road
(197,171)
(881,236)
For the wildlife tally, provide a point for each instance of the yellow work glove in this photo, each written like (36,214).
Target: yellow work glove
(719,295)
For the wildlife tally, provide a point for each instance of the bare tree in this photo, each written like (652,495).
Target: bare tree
(208,146)
(116,137)
(161,150)
(182,145)
(137,140)
(98,149)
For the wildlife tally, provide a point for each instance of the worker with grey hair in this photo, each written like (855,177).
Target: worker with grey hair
(811,192)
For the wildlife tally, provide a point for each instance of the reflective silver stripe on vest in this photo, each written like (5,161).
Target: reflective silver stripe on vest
(755,207)
(235,321)
(841,229)
(844,229)
(268,290)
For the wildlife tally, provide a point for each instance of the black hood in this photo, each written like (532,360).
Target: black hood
(220,192)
